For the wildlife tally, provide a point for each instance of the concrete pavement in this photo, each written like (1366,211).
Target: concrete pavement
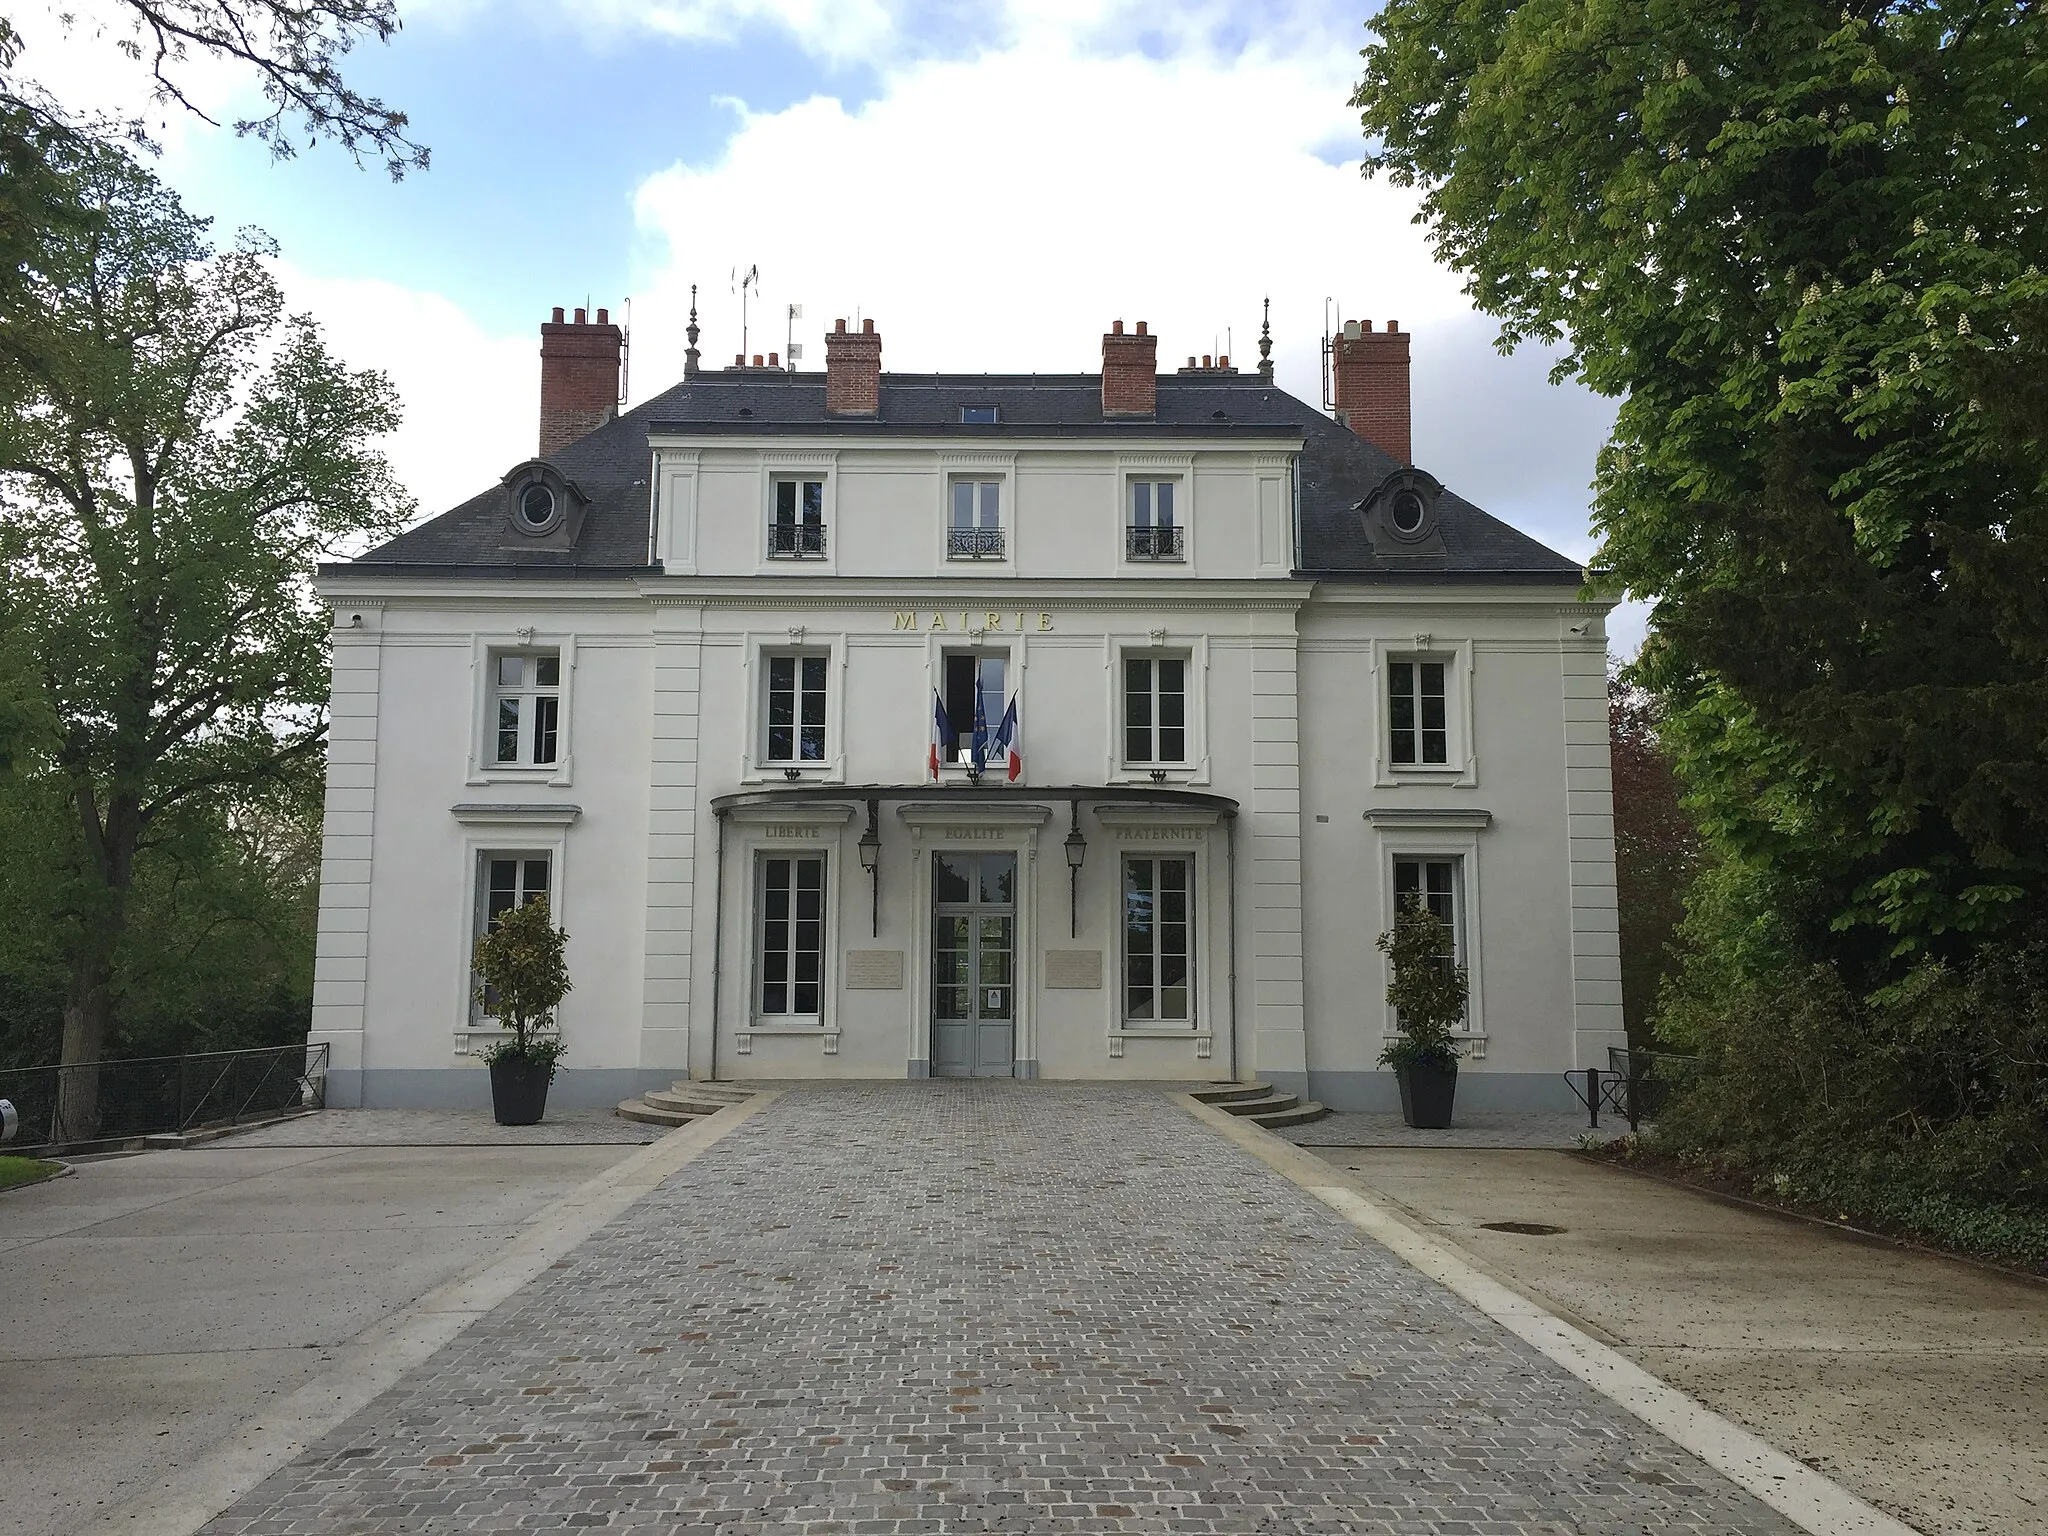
(1918,1382)
(152,1304)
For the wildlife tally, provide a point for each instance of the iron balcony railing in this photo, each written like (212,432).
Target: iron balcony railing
(1154,544)
(796,541)
(111,1101)
(974,543)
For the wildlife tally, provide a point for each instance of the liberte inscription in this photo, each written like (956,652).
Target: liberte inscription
(877,969)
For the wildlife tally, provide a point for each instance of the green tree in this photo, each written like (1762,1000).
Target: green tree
(1426,986)
(176,453)
(522,973)
(1802,243)
(1656,851)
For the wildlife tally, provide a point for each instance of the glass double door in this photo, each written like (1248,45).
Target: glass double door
(974,960)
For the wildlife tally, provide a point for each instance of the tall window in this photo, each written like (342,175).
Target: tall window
(1151,533)
(1158,936)
(798,527)
(975,530)
(1415,713)
(1433,883)
(1155,709)
(505,881)
(796,709)
(974,681)
(527,707)
(791,948)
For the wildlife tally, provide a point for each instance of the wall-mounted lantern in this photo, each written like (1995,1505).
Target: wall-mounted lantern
(1077,850)
(871,861)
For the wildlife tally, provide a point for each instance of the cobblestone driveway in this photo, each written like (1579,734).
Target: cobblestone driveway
(944,1307)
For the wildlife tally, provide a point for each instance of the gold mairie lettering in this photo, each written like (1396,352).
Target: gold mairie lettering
(938,621)
(963,621)
(1044,622)
(1020,622)
(906,620)
(993,620)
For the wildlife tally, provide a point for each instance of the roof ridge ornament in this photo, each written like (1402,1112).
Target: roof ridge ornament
(1266,342)
(690,356)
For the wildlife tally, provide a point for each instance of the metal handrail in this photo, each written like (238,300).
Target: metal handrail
(1160,543)
(974,543)
(794,541)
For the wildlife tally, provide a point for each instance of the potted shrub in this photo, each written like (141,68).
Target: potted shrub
(521,981)
(1428,994)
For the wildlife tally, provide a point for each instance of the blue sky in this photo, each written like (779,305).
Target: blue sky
(992,183)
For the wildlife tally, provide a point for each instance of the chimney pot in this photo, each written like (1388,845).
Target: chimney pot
(604,317)
(853,370)
(739,359)
(1371,375)
(1394,325)
(774,361)
(839,326)
(1207,361)
(579,378)
(1223,361)
(1130,372)
(1191,359)
(757,359)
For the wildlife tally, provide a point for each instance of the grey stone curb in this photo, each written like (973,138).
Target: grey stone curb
(373,1362)
(1806,1498)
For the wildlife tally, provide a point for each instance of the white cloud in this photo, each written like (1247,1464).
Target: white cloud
(472,400)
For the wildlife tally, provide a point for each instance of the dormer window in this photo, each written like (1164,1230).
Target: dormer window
(537,507)
(1401,515)
(540,504)
(1406,511)
(979,415)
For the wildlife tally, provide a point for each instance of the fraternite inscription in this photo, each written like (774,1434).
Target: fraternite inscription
(1076,969)
(876,969)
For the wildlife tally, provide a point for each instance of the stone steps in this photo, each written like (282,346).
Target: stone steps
(1262,1104)
(681,1102)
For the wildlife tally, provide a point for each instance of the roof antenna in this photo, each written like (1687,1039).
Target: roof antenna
(793,349)
(752,279)
(1266,343)
(626,353)
(690,357)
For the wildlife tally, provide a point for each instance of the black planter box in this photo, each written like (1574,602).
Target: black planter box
(1426,1094)
(519,1090)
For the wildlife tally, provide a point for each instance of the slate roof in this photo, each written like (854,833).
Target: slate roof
(610,466)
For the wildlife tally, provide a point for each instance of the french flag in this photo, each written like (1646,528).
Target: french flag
(1007,739)
(942,735)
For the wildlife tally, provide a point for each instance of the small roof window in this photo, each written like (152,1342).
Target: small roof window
(978,415)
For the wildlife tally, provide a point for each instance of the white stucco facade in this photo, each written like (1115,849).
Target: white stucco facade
(664,827)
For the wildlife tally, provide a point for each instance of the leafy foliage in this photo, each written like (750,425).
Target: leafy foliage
(1656,851)
(1427,989)
(1922,1107)
(176,454)
(1801,242)
(523,974)
(294,48)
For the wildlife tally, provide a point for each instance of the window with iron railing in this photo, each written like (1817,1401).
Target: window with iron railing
(1152,533)
(975,529)
(797,530)
(1155,543)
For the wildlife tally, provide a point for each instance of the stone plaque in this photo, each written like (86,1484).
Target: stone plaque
(879,969)
(1073,968)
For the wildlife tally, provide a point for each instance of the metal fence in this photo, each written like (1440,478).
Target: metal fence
(113,1101)
(1636,1084)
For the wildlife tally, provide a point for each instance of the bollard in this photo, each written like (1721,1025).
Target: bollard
(10,1121)
(1593,1097)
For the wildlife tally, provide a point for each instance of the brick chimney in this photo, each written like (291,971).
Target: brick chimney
(1130,372)
(853,370)
(579,377)
(1371,374)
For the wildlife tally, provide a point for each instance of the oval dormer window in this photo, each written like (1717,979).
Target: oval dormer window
(537,506)
(1407,512)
